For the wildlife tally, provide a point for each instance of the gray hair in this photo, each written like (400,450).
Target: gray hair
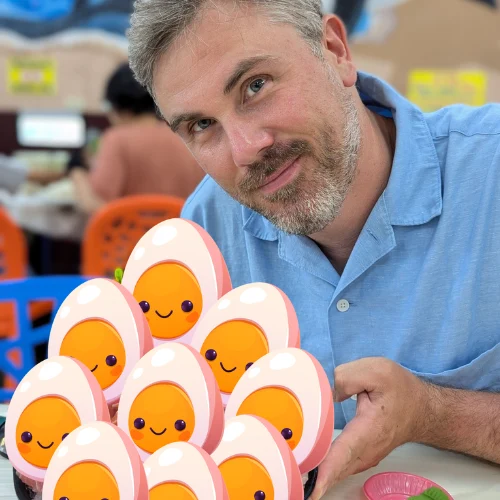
(156,24)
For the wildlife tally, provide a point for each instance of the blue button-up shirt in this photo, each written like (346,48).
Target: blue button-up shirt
(422,285)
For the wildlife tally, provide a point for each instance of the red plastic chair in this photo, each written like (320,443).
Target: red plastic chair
(114,230)
(14,265)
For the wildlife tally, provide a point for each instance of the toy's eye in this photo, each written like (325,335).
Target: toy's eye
(211,354)
(26,437)
(180,425)
(111,360)
(248,366)
(287,433)
(187,306)
(139,423)
(259,495)
(144,306)
(64,498)
(65,436)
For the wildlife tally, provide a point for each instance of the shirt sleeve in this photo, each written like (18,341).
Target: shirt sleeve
(108,173)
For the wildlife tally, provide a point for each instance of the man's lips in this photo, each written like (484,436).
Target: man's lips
(279,172)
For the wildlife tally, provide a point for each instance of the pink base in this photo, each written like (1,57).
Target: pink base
(397,486)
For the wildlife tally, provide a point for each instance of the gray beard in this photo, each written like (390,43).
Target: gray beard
(307,206)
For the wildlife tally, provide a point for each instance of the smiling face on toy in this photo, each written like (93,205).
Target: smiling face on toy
(161,414)
(290,390)
(101,325)
(243,326)
(171,299)
(102,350)
(280,408)
(54,398)
(231,348)
(85,481)
(42,426)
(171,396)
(176,272)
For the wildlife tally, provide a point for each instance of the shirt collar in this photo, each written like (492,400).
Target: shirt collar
(413,195)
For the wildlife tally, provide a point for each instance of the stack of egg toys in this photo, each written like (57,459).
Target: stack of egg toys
(167,382)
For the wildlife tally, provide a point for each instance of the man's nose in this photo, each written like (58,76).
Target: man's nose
(248,142)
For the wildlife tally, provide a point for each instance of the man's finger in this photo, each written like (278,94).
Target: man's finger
(353,378)
(343,456)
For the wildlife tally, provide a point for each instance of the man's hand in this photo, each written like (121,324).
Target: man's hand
(390,405)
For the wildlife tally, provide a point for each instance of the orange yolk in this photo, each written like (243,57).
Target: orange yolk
(280,408)
(235,345)
(99,347)
(171,299)
(171,490)
(87,481)
(41,428)
(161,414)
(244,477)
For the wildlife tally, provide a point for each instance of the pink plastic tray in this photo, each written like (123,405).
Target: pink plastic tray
(397,486)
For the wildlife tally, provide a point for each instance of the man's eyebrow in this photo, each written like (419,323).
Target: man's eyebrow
(184,117)
(241,68)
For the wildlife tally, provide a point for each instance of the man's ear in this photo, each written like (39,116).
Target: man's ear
(337,50)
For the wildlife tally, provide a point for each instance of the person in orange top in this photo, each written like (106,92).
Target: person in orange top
(138,154)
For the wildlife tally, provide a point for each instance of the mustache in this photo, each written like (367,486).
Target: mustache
(273,159)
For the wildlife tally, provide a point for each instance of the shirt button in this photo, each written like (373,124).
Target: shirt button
(343,305)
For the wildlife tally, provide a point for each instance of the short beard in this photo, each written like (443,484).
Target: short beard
(310,202)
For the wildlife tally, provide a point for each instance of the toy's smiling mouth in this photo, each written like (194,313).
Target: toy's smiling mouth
(157,433)
(227,371)
(94,369)
(164,317)
(45,447)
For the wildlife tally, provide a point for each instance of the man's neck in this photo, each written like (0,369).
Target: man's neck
(337,240)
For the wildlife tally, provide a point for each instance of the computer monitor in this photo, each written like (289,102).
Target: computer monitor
(62,130)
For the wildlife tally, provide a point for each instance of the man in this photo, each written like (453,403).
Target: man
(380,223)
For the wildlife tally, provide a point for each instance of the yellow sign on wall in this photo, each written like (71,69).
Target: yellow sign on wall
(433,89)
(31,76)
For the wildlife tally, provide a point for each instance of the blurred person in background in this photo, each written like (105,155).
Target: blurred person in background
(139,154)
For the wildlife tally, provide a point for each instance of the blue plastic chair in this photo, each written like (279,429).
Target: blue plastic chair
(22,292)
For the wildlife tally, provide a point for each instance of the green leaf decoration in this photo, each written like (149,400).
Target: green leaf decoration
(431,494)
(118,275)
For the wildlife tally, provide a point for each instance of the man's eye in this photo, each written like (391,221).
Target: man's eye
(255,86)
(201,125)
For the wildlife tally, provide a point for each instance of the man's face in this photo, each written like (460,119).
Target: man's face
(271,123)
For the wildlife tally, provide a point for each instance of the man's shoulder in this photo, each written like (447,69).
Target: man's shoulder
(467,142)
(466,121)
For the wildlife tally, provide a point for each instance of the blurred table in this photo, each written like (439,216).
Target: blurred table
(50,211)
(464,478)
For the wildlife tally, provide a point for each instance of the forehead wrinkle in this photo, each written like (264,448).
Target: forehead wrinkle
(202,49)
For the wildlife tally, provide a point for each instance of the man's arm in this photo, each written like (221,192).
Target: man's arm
(394,407)
(87,200)
(462,421)
(45,178)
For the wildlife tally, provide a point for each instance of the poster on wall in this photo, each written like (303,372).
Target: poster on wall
(30,75)
(432,89)
(49,47)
